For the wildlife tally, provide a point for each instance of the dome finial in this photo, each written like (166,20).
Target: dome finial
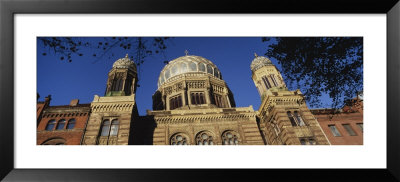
(255,55)
(126,56)
(186,52)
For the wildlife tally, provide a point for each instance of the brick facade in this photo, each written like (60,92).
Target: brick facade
(73,136)
(351,115)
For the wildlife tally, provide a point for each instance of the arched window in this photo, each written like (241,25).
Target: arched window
(60,124)
(299,119)
(184,68)
(193,66)
(209,69)
(71,124)
(291,118)
(174,70)
(167,74)
(114,128)
(120,83)
(230,138)
(216,72)
(204,138)
(274,80)
(219,101)
(266,82)
(105,129)
(162,79)
(307,141)
(179,139)
(197,98)
(50,125)
(276,128)
(54,141)
(175,102)
(202,67)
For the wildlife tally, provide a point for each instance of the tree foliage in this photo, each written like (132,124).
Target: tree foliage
(66,48)
(320,65)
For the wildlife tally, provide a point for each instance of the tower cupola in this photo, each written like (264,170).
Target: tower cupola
(122,78)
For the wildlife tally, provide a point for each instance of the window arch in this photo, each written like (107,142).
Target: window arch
(179,139)
(167,74)
(60,124)
(105,129)
(274,80)
(202,67)
(209,69)
(162,79)
(299,119)
(219,101)
(295,120)
(54,141)
(216,72)
(50,125)
(174,70)
(204,138)
(175,102)
(292,121)
(184,67)
(120,83)
(110,128)
(266,82)
(197,98)
(71,124)
(193,66)
(230,138)
(114,128)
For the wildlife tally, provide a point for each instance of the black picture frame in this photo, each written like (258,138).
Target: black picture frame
(9,8)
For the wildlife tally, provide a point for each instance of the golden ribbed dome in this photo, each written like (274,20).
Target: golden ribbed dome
(187,64)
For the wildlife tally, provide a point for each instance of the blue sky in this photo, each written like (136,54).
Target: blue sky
(86,76)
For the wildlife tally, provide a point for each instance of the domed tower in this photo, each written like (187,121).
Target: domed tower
(284,116)
(265,75)
(191,82)
(111,118)
(194,106)
(122,78)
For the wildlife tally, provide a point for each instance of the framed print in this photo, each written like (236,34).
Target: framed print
(31,33)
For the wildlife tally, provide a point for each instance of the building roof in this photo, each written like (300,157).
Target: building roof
(187,64)
(258,62)
(125,63)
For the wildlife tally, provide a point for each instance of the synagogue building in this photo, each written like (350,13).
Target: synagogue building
(193,105)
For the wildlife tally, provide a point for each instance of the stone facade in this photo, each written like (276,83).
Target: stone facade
(214,122)
(112,117)
(115,108)
(284,116)
(193,105)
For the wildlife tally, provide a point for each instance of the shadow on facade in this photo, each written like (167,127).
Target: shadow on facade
(142,130)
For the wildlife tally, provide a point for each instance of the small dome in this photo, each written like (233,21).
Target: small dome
(186,64)
(125,63)
(259,62)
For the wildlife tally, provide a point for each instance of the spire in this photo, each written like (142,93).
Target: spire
(186,52)
(126,56)
(255,55)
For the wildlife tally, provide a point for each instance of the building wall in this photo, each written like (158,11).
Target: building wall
(241,122)
(276,125)
(352,118)
(121,108)
(71,136)
(40,106)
